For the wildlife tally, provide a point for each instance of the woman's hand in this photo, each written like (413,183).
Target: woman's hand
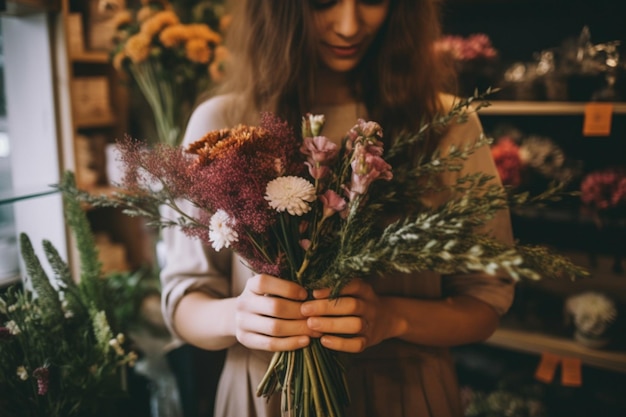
(268,315)
(353,322)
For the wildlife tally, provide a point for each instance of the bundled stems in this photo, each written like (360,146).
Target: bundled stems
(321,390)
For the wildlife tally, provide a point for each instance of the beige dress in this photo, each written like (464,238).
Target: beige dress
(391,379)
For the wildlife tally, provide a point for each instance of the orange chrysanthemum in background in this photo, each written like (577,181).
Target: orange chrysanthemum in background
(170,59)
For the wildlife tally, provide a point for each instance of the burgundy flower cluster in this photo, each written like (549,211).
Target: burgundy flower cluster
(604,189)
(475,46)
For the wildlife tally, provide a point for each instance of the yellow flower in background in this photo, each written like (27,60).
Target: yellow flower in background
(156,23)
(122,18)
(197,50)
(145,13)
(204,32)
(225,22)
(217,68)
(171,60)
(118,60)
(138,48)
(174,35)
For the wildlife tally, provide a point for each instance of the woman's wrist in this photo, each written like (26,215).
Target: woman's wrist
(397,322)
(206,322)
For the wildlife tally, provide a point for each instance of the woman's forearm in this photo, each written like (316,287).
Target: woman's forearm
(449,322)
(206,322)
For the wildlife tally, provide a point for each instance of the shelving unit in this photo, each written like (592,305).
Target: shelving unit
(536,343)
(85,135)
(537,323)
(541,108)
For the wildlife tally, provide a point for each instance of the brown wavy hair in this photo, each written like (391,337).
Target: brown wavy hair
(399,80)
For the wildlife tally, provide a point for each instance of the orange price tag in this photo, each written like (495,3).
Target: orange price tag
(571,373)
(547,367)
(598,117)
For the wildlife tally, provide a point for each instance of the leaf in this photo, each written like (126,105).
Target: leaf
(47,296)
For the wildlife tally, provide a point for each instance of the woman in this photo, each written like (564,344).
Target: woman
(344,59)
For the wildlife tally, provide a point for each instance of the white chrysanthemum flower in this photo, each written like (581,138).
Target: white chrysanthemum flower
(221,233)
(291,194)
(22,373)
(542,154)
(14,329)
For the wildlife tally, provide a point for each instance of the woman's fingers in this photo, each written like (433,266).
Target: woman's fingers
(347,325)
(269,285)
(270,305)
(271,326)
(345,344)
(350,323)
(260,341)
(269,317)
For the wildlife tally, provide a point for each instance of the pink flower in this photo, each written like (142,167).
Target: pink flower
(366,168)
(367,133)
(42,374)
(332,203)
(319,149)
(317,171)
(604,189)
(472,47)
(5,333)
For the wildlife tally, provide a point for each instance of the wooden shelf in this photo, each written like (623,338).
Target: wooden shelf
(92,122)
(27,7)
(541,108)
(536,343)
(91,57)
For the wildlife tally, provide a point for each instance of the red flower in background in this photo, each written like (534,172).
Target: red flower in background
(506,155)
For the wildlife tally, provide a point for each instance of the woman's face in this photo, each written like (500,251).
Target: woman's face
(345,29)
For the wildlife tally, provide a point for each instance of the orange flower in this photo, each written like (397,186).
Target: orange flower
(239,136)
(118,60)
(197,50)
(199,30)
(174,35)
(138,47)
(156,23)
(221,56)
(221,143)
(145,13)
(203,146)
(225,22)
(122,18)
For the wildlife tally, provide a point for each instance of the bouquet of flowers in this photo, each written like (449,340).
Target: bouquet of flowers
(473,47)
(60,352)
(171,62)
(604,189)
(506,155)
(319,213)
(475,59)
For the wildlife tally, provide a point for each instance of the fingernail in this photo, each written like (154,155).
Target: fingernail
(313,323)
(306,309)
(303,341)
(326,341)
